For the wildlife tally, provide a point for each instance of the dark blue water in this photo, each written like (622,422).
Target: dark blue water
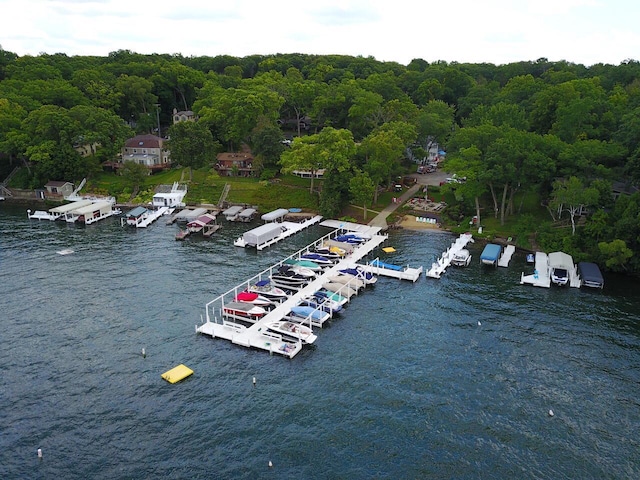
(404,384)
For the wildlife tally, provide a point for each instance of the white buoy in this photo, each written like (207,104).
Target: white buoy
(254,380)
(39,453)
(551,413)
(144,353)
(270,464)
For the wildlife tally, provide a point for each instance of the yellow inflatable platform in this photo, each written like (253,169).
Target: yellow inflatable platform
(177,373)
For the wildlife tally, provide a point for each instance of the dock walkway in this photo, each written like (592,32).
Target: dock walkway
(257,335)
(440,266)
(508,252)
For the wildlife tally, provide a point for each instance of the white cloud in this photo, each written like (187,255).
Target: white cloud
(495,31)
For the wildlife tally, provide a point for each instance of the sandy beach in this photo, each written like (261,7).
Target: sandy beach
(410,222)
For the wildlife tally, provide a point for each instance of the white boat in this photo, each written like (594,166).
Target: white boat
(305,271)
(353,282)
(293,330)
(461,258)
(560,265)
(340,288)
(267,289)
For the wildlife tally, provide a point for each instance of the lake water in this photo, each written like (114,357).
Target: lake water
(403,384)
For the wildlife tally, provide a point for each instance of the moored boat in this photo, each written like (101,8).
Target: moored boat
(305,312)
(560,265)
(353,282)
(367,277)
(461,258)
(255,299)
(242,309)
(590,275)
(339,299)
(303,263)
(267,289)
(317,258)
(293,330)
(340,289)
(322,302)
(288,277)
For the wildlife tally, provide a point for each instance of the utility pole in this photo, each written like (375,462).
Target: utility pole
(158,118)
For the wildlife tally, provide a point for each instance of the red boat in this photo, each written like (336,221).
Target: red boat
(243,309)
(255,299)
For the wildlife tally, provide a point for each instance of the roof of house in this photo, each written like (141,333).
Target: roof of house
(136,212)
(57,183)
(144,141)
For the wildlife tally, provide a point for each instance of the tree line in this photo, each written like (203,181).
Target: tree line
(565,132)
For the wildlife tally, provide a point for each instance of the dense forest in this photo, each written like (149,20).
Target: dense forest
(567,134)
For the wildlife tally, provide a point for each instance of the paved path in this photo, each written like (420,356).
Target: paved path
(435,178)
(380,220)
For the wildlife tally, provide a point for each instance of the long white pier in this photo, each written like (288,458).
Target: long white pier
(257,335)
(441,265)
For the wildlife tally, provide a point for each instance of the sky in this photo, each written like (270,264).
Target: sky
(464,31)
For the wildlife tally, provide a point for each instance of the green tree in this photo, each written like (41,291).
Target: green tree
(134,175)
(616,254)
(382,150)
(191,145)
(362,188)
(571,195)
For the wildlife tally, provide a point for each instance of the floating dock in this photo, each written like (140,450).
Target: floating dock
(505,258)
(257,335)
(541,276)
(403,273)
(440,266)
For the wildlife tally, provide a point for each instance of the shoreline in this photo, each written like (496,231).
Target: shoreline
(410,222)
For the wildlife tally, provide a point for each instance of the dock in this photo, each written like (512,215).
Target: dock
(505,258)
(218,325)
(405,273)
(289,228)
(541,276)
(147,218)
(440,266)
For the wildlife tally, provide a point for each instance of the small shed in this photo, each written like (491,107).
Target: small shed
(59,188)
